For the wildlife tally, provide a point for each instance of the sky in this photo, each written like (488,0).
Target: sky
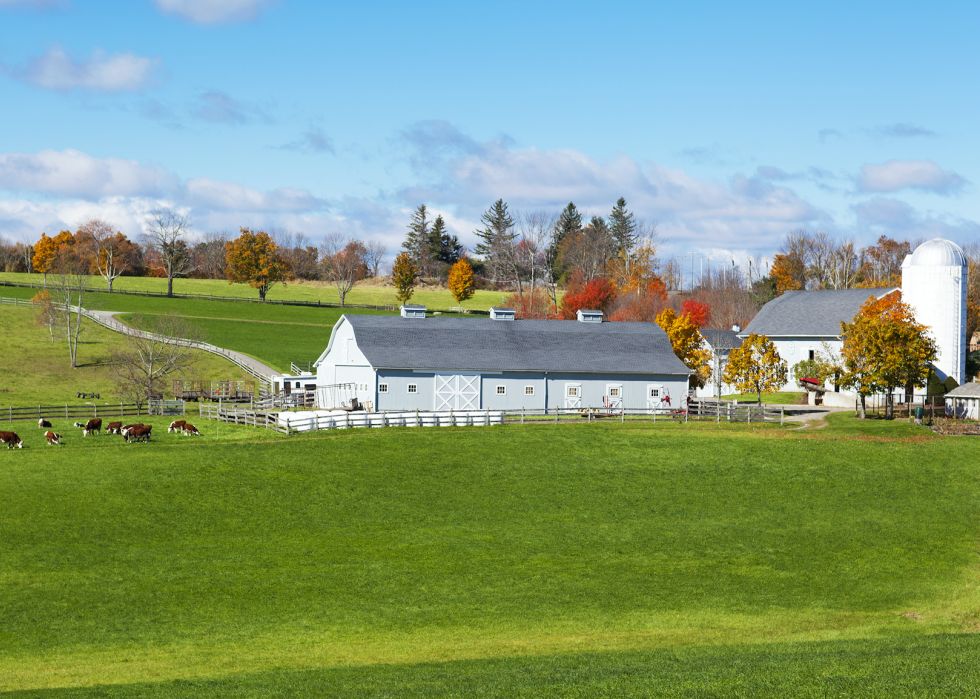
(725,124)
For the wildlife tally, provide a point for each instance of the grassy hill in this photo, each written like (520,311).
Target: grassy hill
(578,560)
(324,292)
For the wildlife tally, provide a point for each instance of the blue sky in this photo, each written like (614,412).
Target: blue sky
(728,125)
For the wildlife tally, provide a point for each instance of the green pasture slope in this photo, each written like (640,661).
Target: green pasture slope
(537,560)
(437,299)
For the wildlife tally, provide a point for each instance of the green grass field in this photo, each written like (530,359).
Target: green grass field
(434,298)
(578,560)
(782,398)
(35,371)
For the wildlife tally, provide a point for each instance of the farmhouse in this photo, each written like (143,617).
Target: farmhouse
(964,402)
(934,284)
(416,362)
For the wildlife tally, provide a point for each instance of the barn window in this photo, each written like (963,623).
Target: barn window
(811,355)
(413,388)
(501,390)
(654,392)
(382,388)
(614,392)
(573,390)
(529,390)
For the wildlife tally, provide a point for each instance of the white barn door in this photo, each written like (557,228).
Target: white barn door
(457,392)
(573,395)
(655,396)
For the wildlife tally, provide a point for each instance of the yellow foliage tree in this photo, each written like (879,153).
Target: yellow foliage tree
(632,272)
(788,274)
(756,367)
(461,282)
(254,259)
(45,251)
(688,344)
(404,274)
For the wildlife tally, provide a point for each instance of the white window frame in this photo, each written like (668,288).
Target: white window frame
(501,390)
(413,388)
(529,390)
(382,388)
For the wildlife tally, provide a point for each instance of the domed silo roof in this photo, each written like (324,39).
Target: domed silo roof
(938,252)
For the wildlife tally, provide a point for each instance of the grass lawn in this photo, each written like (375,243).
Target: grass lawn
(437,299)
(36,372)
(578,560)
(787,398)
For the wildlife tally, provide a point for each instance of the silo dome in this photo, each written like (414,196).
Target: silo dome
(938,252)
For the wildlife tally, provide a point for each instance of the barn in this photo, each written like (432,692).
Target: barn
(412,361)
(964,402)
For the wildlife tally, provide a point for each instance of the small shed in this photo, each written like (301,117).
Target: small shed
(963,402)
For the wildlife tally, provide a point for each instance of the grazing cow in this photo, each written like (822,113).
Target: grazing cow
(176,426)
(190,430)
(140,433)
(126,429)
(52,438)
(11,440)
(42,423)
(93,426)
(113,428)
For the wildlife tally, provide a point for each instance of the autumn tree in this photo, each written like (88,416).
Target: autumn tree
(594,295)
(881,264)
(343,263)
(165,234)
(532,304)
(45,314)
(253,258)
(788,274)
(688,343)
(112,254)
(46,252)
(461,282)
(404,274)
(699,313)
(756,367)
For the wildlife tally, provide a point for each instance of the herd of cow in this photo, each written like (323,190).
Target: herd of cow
(137,432)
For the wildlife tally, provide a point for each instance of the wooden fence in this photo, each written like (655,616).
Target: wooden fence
(71,412)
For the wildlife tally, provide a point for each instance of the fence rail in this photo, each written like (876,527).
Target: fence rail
(301,368)
(69,412)
(285,422)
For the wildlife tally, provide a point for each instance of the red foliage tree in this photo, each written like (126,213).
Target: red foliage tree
(700,313)
(596,295)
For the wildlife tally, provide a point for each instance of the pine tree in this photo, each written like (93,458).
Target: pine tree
(417,241)
(498,224)
(435,238)
(569,221)
(622,226)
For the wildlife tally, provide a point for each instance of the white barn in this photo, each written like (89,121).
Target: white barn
(416,362)
(964,402)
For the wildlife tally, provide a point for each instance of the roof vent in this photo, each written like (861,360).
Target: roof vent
(736,328)
(501,313)
(589,316)
(411,310)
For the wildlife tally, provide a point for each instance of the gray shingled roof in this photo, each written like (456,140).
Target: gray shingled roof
(462,344)
(810,313)
(722,339)
(967,390)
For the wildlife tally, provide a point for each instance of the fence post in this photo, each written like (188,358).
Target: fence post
(748,419)
(522,414)
(66,411)
(384,418)
(556,415)
(718,409)
(417,423)
(782,414)
(622,415)
(588,411)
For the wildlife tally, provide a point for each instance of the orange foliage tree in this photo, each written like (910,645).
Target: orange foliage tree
(788,274)
(254,259)
(688,344)
(532,304)
(699,313)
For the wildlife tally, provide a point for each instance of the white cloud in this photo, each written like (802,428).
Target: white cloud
(213,11)
(76,174)
(230,196)
(56,70)
(896,175)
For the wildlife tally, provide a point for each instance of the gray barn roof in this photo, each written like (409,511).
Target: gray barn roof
(967,390)
(461,344)
(722,340)
(810,313)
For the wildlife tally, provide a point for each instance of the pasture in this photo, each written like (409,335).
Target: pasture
(578,560)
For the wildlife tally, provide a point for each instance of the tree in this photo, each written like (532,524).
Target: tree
(210,255)
(404,274)
(159,347)
(111,252)
(461,282)
(495,236)
(344,263)
(787,274)
(376,252)
(45,314)
(588,249)
(419,239)
(69,285)
(881,264)
(756,367)
(569,223)
(535,304)
(594,295)
(699,313)
(443,247)
(623,227)
(254,259)
(688,344)
(45,251)
(166,230)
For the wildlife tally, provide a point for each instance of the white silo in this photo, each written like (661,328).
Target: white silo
(934,280)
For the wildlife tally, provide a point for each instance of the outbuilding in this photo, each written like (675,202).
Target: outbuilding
(416,362)
(963,402)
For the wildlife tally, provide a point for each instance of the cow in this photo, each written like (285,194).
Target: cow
(42,423)
(93,426)
(52,438)
(140,433)
(176,426)
(126,429)
(113,428)
(190,430)
(11,440)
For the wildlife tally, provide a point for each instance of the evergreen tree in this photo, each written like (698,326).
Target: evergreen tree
(599,227)
(622,226)
(417,241)
(569,221)
(498,224)
(442,246)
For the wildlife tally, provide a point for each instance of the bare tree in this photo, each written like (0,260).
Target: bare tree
(210,254)
(68,289)
(26,251)
(376,252)
(343,262)
(159,347)
(166,230)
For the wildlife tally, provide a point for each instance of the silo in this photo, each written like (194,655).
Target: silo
(934,281)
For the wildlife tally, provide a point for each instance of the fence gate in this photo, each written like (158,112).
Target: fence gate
(457,392)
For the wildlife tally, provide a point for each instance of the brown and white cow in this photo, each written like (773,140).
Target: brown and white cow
(190,430)
(113,428)
(11,440)
(140,433)
(52,438)
(42,423)
(93,426)
(176,426)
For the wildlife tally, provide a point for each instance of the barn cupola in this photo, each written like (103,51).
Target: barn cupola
(411,310)
(589,316)
(501,313)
